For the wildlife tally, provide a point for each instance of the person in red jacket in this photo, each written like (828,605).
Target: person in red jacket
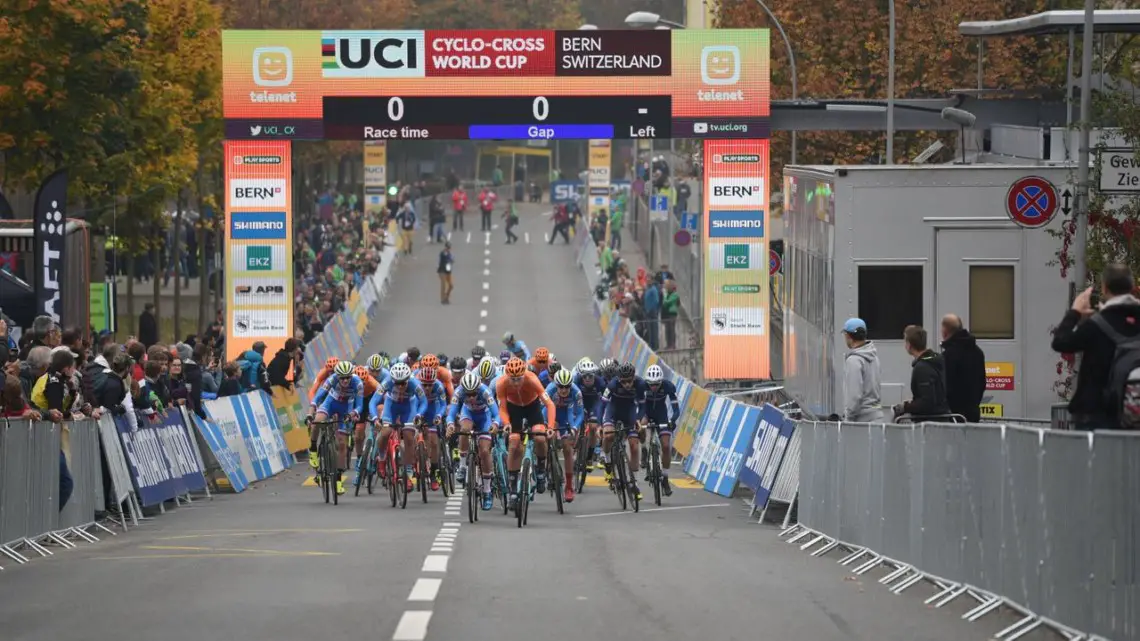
(459,205)
(487,199)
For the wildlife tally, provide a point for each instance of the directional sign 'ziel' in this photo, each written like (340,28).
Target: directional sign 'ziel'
(1119,171)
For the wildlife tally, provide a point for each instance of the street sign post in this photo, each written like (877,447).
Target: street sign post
(682,238)
(1119,171)
(658,208)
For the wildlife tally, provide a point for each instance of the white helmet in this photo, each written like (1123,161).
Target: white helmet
(587,367)
(400,372)
(402,358)
(470,381)
(654,374)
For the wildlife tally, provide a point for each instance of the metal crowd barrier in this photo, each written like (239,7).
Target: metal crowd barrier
(1040,521)
(80,443)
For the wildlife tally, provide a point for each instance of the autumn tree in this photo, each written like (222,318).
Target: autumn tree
(838,56)
(498,14)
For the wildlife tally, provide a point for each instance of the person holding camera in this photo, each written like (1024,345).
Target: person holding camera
(862,375)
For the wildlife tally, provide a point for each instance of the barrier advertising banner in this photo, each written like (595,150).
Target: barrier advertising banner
(375,176)
(736,279)
(259,245)
(229,459)
(248,425)
(719,453)
(291,416)
(766,452)
(162,463)
(598,179)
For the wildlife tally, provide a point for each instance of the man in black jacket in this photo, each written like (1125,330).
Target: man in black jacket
(1078,334)
(282,362)
(148,326)
(927,380)
(965,369)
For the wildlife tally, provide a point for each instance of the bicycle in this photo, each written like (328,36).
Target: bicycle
(446,472)
(500,481)
(473,482)
(326,457)
(654,449)
(524,490)
(423,472)
(396,478)
(621,484)
(582,457)
(366,467)
(554,467)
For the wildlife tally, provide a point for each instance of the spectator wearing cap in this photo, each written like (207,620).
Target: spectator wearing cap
(191,376)
(862,375)
(115,394)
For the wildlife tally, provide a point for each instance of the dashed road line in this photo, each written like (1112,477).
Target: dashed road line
(435,563)
(425,589)
(486,299)
(468,237)
(482,313)
(481,343)
(526,237)
(486,285)
(482,329)
(413,626)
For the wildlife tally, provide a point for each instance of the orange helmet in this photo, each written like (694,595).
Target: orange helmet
(429,361)
(330,364)
(515,367)
(541,355)
(362,372)
(426,374)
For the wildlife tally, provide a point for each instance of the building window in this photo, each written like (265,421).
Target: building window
(991,301)
(890,298)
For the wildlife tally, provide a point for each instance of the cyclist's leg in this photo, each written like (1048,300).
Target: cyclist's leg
(538,433)
(666,437)
(569,438)
(433,443)
(320,417)
(608,437)
(634,445)
(358,439)
(515,450)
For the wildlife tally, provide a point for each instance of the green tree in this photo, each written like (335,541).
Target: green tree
(499,14)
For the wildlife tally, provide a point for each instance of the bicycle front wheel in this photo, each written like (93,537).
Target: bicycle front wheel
(403,479)
(473,486)
(362,472)
(322,458)
(557,479)
(621,471)
(655,469)
(581,458)
(391,469)
(523,500)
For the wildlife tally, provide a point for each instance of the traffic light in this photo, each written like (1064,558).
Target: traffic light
(393,190)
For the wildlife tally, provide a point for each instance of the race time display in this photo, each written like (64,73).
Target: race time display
(455,85)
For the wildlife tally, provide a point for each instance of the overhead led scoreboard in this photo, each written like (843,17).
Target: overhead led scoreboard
(392,85)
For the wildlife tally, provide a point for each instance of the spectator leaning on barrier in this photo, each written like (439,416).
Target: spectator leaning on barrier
(1087,331)
(965,369)
(230,385)
(115,395)
(12,403)
(39,336)
(192,374)
(651,304)
(927,379)
(281,365)
(34,367)
(862,375)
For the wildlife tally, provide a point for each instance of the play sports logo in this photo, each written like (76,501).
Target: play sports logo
(742,192)
(372,54)
(257,192)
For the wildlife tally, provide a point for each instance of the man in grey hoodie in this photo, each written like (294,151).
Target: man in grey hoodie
(861,375)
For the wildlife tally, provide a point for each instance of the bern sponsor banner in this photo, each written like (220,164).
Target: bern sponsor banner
(48,226)
(229,460)
(736,260)
(375,176)
(162,463)
(599,175)
(284,76)
(259,286)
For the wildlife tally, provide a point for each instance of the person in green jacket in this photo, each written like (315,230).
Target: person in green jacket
(670,307)
(605,258)
(616,220)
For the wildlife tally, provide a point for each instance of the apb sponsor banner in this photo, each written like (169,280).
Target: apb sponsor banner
(258,239)
(228,458)
(762,461)
(736,280)
(48,228)
(162,463)
(721,444)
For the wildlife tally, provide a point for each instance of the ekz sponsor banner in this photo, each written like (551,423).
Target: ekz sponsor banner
(259,234)
(284,76)
(162,463)
(736,265)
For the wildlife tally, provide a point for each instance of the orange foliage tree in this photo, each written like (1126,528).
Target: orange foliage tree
(498,14)
(841,49)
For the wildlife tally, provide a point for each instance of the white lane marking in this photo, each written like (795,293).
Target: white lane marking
(481,343)
(486,272)
(468,236)
(526,236)
(448,530)
(442,547)
(445,537)
(486,261)
(545,237)
(425,589)
(435,563)
(655,509)
(449,237)
(454,524)
(448,550)
(486,238)
(485,299)
(482,314)
(486,285)
(413,626)
(486,252)
(495,226)
(482,328)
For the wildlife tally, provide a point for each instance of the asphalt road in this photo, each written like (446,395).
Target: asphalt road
(275,563)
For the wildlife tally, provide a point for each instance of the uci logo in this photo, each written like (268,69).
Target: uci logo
(372,54)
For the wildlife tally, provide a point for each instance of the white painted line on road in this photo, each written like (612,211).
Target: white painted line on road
(486,261)
(413,626)
(526,236)
(445,537)
(482,313)
(486,272)
(435,564)
(448,530)
(495,226)
(485,299)
(468,236)
(486,252)
(482,329)
(545,237)
(486,238)
(486,285)
(655,509)
(449,237)
(481,343)
(441,547)
(453,524)
(448,550)
(425,589)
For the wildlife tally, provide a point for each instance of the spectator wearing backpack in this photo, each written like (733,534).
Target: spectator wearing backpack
(1108,340)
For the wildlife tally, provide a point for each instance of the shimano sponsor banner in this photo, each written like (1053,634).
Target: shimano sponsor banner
(162,463)
(565,191)
(258,225)
(766,453)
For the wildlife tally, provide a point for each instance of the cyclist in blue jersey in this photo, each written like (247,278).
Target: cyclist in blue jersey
(404,402)
(378,367)
(489,371)
(568,414)
(515,347)
(662,408)
(546,376)
(476,409)
(341,395)
(592,385)
(433,415)
(624,399)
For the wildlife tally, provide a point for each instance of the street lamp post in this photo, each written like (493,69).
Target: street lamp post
(891,88)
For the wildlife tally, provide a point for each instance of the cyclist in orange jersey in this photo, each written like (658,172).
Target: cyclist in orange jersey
(370,387)
(522,398)
(323,375)
(442,374)
(540,361)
